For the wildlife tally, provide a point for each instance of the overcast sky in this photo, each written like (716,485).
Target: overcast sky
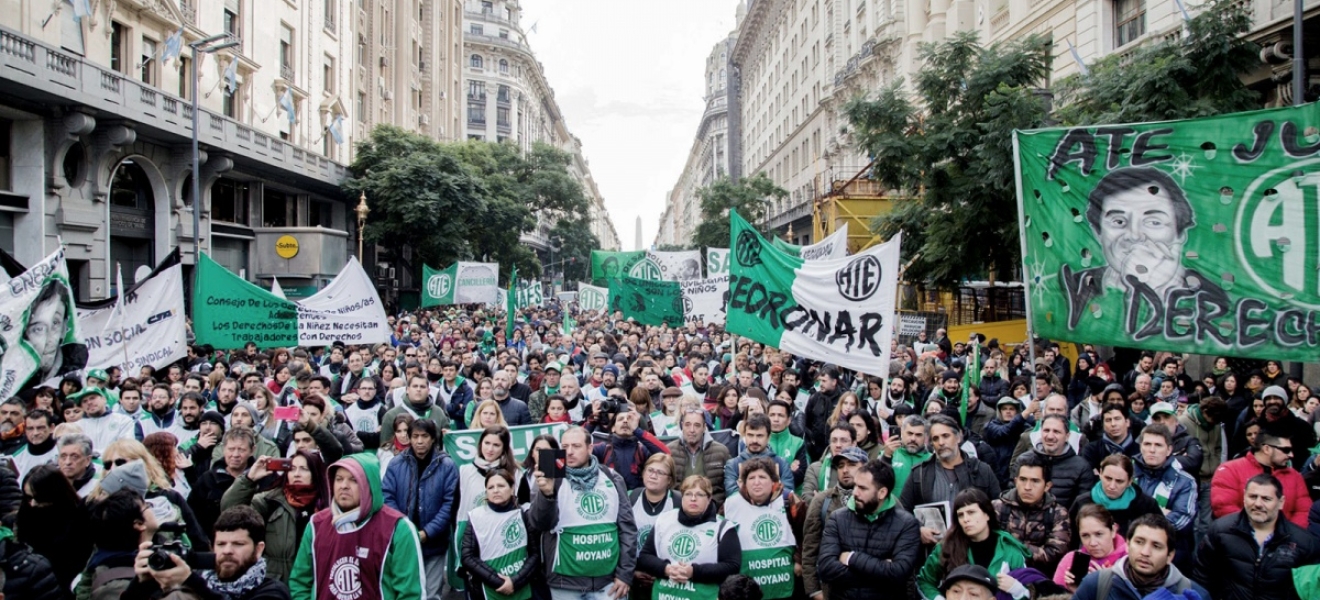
(628,76)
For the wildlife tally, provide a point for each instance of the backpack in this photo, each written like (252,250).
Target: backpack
(108,584)
(1105,582)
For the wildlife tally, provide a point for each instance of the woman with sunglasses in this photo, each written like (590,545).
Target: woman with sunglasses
(55,522)
(691,550)
(299,492)
(168,504)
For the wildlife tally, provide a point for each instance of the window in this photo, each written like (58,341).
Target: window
(504,66)
(148,63)
(286,52)
(503,94)
(362,107)
(502,117)
(477,114)
(487,8)
(362,51)
(229,201)
(475,61)
(1129,21)
(230,101)
(185,77)
(478,30)
(321,215)
(504,34)
(6,182)
(232,21)
(279,209)
(328,74)
(330,14)
(476,90)
(117,52)
(508,14)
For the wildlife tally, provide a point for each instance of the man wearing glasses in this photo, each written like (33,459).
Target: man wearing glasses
(1272,453)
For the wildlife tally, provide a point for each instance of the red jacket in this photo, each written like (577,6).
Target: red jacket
(1230,483)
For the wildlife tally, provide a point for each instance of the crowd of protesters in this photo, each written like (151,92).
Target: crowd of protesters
(687,464)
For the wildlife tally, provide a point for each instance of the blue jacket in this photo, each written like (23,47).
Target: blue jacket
(1002,438)
(1178,487)
(432,497)
(458,401)
(1121,587)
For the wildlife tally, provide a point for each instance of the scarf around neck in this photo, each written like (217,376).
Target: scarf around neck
(238,588)
(300,496)
(1122,502)
(583,478)
(1145,584)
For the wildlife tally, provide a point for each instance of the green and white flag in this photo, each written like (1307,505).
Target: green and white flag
(608,266)
(717,262)
(591,297)
(835,246)
(648,302)
(705,300)
(461,445)
(461,283)
(683,265)
(229,311)
(839,311)
(529,294)
(1193,236)
(39,337)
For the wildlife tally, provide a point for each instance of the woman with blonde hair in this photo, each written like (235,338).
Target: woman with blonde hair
(848,404)
(130,465)
(486,415)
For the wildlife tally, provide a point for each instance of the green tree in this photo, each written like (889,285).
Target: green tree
(576,241)
(1198,75)
(748,196)
(950,149)
(420,193)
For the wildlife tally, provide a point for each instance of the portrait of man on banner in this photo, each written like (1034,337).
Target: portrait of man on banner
(1141,217)
(49,330)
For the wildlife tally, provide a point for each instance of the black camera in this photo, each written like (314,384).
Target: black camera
(610,407)
(163,547)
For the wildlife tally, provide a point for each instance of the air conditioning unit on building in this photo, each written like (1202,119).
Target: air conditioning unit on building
(384,61)
(424,120)
(387,95)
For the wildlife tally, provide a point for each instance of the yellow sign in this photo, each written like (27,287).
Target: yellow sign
(286,246)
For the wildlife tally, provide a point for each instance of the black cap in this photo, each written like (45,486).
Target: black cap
(974,573)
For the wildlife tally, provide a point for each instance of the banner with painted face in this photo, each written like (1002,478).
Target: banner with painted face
(1193,236)
(609,266)
(38,326)
(839,311)
(591,297)
(461,283)
(717,262)
(677,266)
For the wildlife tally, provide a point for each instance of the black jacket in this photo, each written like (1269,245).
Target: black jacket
(1069,473)
(270,589)
(478,572)
(11,493)
(972,473)
(1229,563)
(204,499)
(62,535)
(819,407)
(28,574)
(886,553)
(1142,504)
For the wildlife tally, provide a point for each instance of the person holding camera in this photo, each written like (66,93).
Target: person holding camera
(299,492)
(239,573)
(629,446)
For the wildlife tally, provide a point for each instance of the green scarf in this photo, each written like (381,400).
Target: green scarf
(884,506)
(1098,496)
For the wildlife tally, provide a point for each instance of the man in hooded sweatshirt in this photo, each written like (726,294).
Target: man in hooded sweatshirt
(357,547)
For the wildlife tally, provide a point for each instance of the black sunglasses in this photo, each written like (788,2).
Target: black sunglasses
(1284,449)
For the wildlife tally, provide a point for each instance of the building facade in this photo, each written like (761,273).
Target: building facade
(96,128)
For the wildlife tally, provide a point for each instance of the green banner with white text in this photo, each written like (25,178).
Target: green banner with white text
(461,446)
(1195,236)
(648,302)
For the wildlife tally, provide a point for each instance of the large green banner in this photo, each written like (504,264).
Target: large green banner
(461,283)
(608,266)
(1193,236)
(648,302)
(462,445)
(229,311)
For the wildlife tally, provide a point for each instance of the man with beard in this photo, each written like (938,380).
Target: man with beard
(12,415)
(819,408)
(572,394)
(100,425)
(39,448)
(756,444)
(906,450)
(846,464)
(1252,554)
(1146,570)
(190,416)
(870,549)
(628,448)
(240,570)
(549,387)
(895,395)
(609,378)
(700,384)
(952,470)
(226,397)
(161,414)
(515,410)
(1271,454)
(1278,418)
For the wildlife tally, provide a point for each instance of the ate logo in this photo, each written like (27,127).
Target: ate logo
(346,579)
(438,286)
(747,251)
(1274,240)
(514,535)
(860,279)
(683,547)
(767,531)
(591,505)
(646,269)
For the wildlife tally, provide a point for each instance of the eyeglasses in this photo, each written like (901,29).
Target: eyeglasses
(695,495)
(657,472)
(1284,449)
(118,462)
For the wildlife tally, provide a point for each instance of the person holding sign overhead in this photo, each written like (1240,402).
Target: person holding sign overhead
(587,521)
(497,558)
(690,550)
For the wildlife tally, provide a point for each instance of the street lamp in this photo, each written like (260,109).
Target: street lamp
(362,211)
(205,46)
